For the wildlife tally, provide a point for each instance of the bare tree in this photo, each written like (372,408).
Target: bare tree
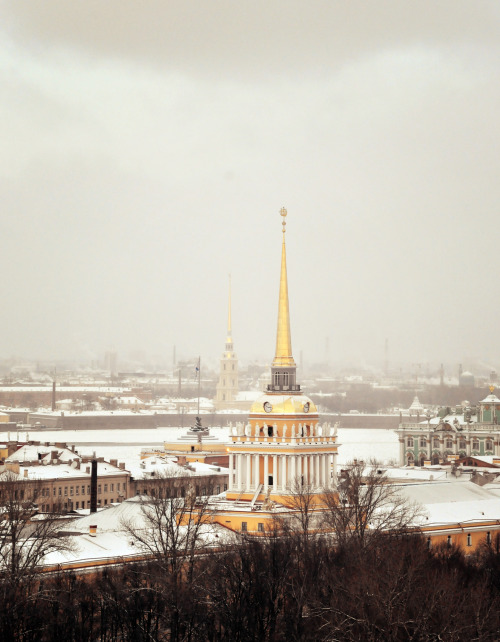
(170,532)
(25,540)
(366,504)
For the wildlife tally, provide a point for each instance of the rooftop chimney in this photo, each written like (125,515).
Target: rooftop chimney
(93,487)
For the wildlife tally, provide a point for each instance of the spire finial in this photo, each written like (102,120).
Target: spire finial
(283,213)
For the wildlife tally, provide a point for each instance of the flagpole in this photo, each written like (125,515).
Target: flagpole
(199,383)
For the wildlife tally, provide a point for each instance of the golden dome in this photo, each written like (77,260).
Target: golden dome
(270,404)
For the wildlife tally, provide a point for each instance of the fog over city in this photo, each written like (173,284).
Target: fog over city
(147,148)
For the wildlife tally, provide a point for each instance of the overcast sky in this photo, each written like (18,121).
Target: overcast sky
(147,147)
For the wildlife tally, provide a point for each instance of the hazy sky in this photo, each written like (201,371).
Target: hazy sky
(147,147)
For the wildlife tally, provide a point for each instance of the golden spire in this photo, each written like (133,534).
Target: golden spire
(229,339)
(283,356)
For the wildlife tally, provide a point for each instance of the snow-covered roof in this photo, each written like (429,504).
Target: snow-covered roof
(31,452)
(64,471)
(167,467)
(491,398)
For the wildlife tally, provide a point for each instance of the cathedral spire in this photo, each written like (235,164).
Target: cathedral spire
(283,356)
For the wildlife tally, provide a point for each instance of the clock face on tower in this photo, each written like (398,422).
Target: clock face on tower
(267,407)
(306,407)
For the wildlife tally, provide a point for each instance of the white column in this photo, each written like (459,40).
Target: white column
(256,471)
(283,471)
(316,470)
(294,469)
(248,466)
(275,473)
(231,471)
(327,470)
(334,468)
(266,473)
(239,481)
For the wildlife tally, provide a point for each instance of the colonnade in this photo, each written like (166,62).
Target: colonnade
(284,469)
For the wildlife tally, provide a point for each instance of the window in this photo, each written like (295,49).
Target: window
(475,445)
(469,539)
(118,486)
(112,487)
(65,491)
(449,540)
(436,442)
(99,489)
(71,491)
(462,445)
(423,442)
(410,442)
(60,491)
(225,486)
(77,490)
(105,488)
(488,537)
(449,443)
(244,526)
(83,490)
(260,527)
(88,490)
(54,493)
(77,503)
(489,444)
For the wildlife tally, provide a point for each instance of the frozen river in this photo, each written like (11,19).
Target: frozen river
(125,445)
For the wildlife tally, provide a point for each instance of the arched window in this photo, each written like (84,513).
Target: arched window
(410,458)
(409,442)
